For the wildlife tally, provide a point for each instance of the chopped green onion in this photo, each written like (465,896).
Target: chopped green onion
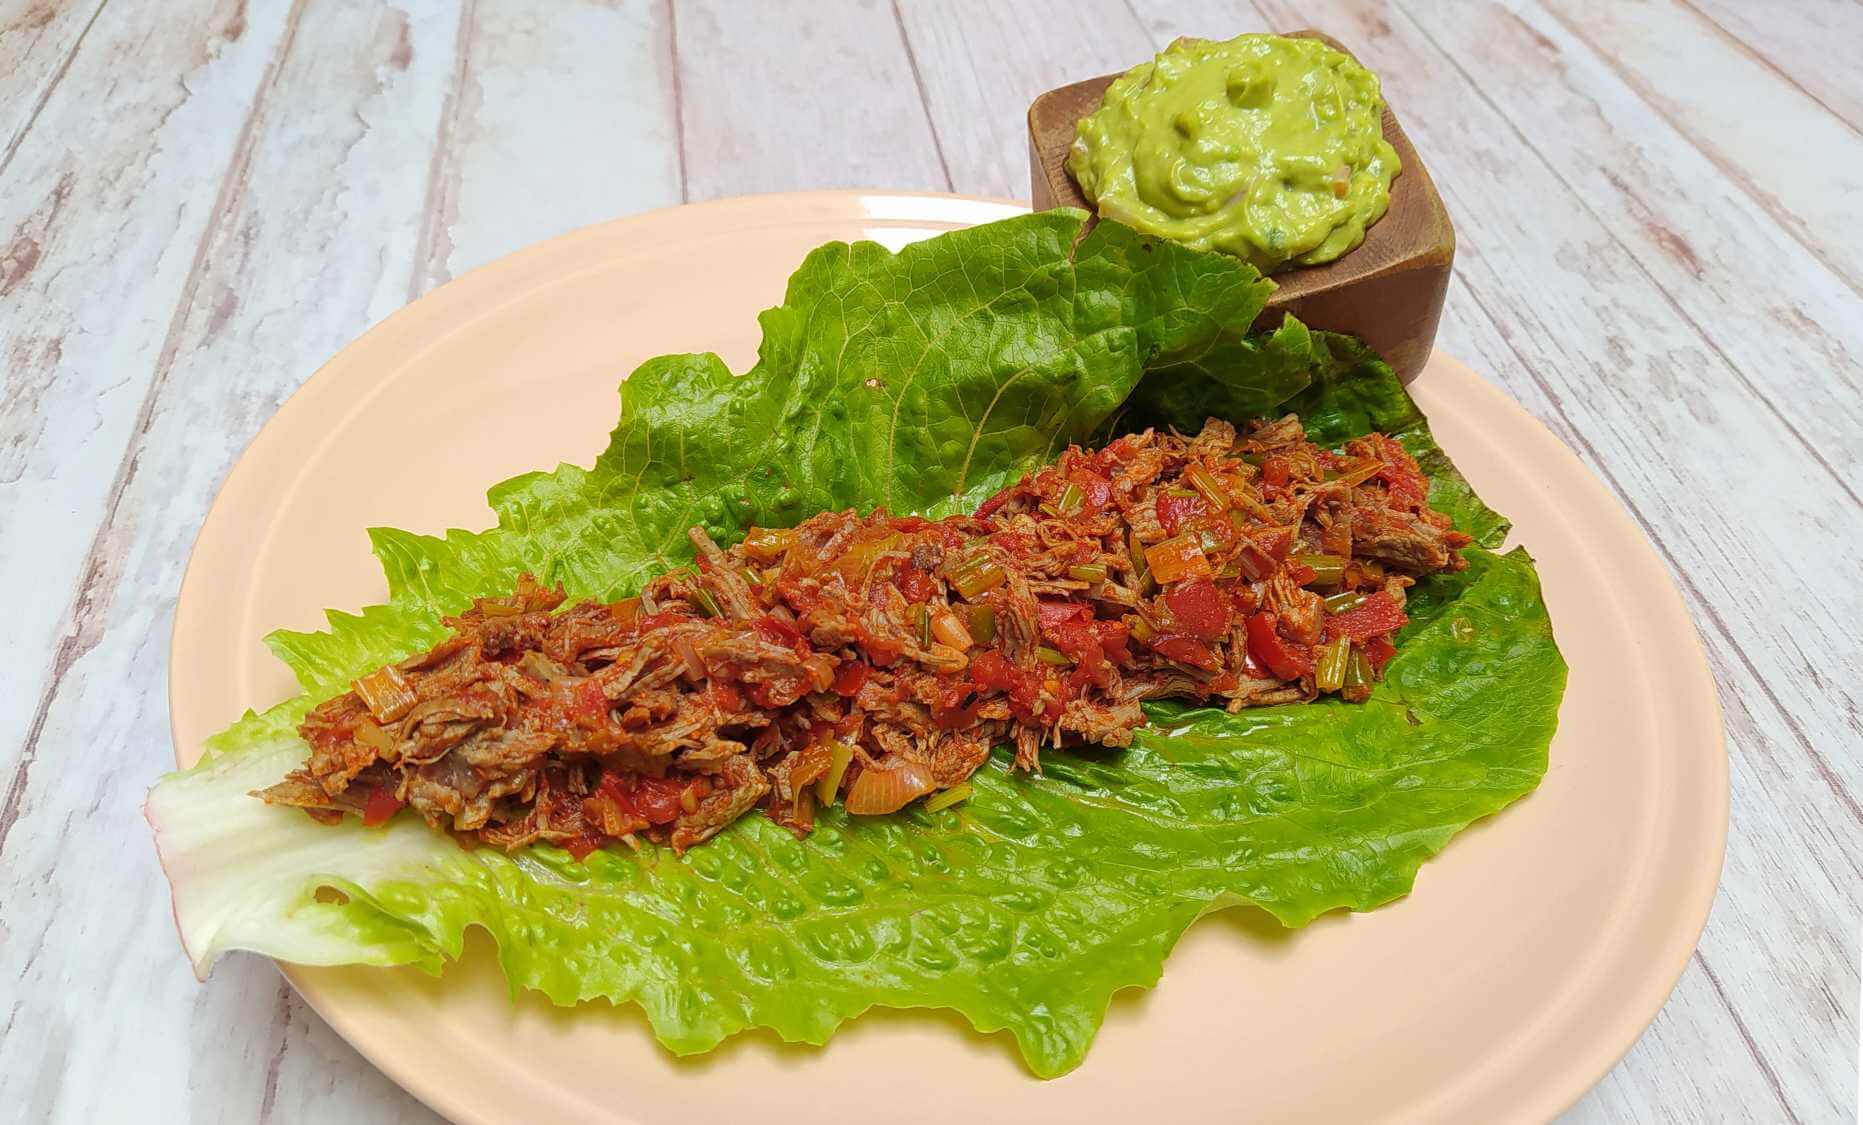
(1331,673)
(1358,671)
(1345,602)
(1204,481)
(949,797)
(1328,570)
(753,576)
(1053,656)
(839,755)
(982,624)
(1072,499)
(702,598)
(1357,474)
(1255,459)
(1091,572)
(976,574)
(921,621)
(1141,629)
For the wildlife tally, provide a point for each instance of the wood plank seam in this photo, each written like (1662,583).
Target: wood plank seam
(1751,52)
(1611,230)
(1746,1036)
(45,95)
(434,241)
(679,96)
(918,82)
(76,636)
(1764,199)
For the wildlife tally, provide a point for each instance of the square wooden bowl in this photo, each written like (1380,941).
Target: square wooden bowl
(1388,292)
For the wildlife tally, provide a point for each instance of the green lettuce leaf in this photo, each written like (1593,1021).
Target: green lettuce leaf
(1025,908)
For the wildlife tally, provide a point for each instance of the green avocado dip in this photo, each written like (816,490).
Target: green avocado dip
(1268,148)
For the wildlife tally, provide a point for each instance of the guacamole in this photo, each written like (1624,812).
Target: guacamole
(1268,148)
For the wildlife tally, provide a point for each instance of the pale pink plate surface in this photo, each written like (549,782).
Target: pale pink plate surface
(1530,956)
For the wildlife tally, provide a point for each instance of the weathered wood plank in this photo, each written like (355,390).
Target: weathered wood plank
(102,241)
(1809,43)
(1782,322)
(38,39)
(779,97)
(562,116)
(289,267)
(1742,115)
(981,70)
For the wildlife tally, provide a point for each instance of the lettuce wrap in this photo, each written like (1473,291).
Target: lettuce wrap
(920,381)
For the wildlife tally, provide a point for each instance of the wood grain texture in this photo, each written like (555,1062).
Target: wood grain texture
(782,96)
(1800,162)
(1808,45)
(200,201)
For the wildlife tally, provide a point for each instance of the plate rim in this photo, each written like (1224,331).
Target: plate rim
(918,209)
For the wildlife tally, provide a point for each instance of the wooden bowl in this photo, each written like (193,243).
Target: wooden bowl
(1388,291)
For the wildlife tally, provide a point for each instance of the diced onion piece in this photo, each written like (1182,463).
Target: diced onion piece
(378,740)
(766,545)
(1181,557)
(689,656)
(839,755)
(1334,658)
(821,669)
(888,789)
(948,798)
(386,693)
(947,628)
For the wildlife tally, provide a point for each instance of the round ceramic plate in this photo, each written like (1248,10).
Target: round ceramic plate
(1530,956)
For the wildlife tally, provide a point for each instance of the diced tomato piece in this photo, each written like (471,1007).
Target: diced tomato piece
(1057,614)
(850,677)
(1276,472)
(582,847)
(1185,650)
(381,805)
(1375,616)
(953,708)
(724,696)
(1379,651)
(588,702)
(1095,490)
(991,669)
(1288,660)
(778,631)
(914,583)
(1199,608)
(653,799)
(882,651)
(1176,511)
(1112,635)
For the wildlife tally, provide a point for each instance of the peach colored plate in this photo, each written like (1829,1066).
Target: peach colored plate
(1530,956)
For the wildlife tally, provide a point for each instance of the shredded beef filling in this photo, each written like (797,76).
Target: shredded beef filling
(874,659)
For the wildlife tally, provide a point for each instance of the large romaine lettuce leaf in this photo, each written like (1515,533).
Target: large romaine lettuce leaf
(1025,908)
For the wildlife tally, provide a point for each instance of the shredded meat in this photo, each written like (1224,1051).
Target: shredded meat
(871,659)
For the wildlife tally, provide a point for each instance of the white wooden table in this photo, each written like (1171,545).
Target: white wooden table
(200,201)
